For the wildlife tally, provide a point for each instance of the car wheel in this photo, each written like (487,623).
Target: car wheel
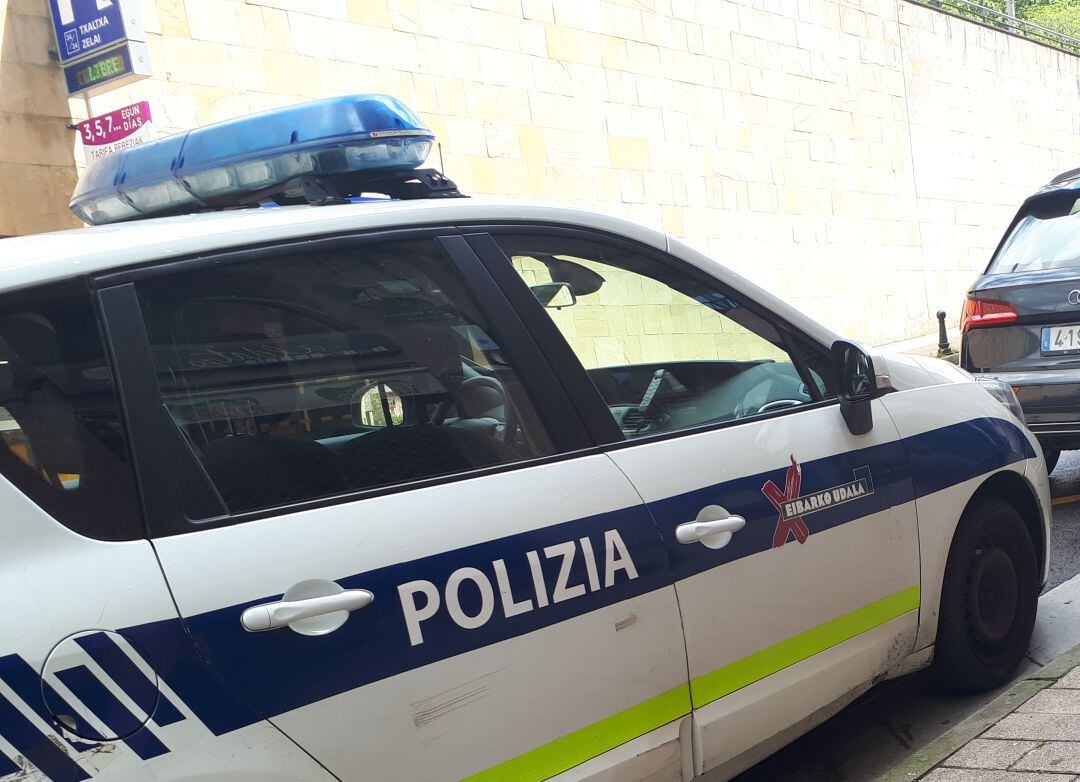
(988,599)
(1052,455)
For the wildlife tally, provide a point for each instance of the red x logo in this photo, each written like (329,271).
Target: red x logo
(793,526)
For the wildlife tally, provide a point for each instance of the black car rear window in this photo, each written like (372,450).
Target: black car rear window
(1046,237)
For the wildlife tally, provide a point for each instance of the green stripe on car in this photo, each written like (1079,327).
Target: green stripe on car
(593,740)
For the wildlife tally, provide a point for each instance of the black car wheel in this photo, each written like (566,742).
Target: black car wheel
(988,599)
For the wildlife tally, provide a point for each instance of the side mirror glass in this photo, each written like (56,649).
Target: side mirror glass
(856,384)
(555,295)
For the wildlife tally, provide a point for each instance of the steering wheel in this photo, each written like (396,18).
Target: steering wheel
(480,384)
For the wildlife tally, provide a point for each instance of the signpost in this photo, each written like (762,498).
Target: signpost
(120,129)
(100,43)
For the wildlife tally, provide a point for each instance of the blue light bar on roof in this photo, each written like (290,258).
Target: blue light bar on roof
(252,159)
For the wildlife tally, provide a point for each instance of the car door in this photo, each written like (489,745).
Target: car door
(84,689)
(793,542)
(381,519)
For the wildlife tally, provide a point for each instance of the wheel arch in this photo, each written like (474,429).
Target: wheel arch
(957,664)
(1014,488)
(939,523)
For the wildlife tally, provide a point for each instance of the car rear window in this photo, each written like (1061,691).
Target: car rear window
(61,440)
(1047,237)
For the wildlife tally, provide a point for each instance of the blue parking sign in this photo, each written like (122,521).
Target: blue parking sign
(87,27)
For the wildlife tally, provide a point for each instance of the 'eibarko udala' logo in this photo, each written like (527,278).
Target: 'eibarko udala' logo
(794,507)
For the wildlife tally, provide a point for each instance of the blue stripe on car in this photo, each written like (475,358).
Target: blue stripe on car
(743,496)
(36,747)
(108,708)
(166,645)
(38,694)
(953,454)
(122,670)
(938,459)
(374,643)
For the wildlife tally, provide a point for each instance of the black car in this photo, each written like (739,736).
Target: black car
(1021,319)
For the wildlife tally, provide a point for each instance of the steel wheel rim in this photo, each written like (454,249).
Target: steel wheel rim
(991,600)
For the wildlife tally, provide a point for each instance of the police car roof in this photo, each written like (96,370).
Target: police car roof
(39,258)
(29,260)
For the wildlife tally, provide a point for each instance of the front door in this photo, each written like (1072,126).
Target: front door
(793,543)
(814,590)
(387,547)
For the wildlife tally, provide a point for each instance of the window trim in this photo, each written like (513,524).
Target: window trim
(553,405)
(590,405)
(158,468)
(801,366)
(584,393)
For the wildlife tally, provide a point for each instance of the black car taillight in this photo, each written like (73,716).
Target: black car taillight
(979,313)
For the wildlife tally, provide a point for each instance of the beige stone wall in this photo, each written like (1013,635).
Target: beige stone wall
(859,157)
(992,119)
(35,145)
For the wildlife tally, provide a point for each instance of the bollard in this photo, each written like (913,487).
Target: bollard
(942,336)
(944,350)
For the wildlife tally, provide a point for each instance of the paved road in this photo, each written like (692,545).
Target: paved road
(1065,545)
(898,717)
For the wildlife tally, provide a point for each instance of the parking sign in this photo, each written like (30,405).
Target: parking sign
(87,27)
(100,43)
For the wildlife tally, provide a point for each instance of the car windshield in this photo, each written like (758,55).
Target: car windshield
(1048,240)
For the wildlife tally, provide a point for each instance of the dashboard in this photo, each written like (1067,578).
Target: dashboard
(658,397)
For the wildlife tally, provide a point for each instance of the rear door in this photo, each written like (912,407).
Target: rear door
(96,677)
(793,542)
(381,518)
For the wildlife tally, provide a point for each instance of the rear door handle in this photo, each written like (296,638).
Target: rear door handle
(713,527)
(271,616)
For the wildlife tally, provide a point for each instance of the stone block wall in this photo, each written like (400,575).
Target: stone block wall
(859,157)
(37,164)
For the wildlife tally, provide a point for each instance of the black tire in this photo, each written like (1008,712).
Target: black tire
(988,600)
(1052,455)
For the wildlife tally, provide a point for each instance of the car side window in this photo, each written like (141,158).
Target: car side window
(61,440)
(324,372)
(665,350)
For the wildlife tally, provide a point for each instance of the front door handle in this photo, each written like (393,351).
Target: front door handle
(713,527)
(271,616)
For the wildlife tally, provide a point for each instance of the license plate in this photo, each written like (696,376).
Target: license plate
(1060,339)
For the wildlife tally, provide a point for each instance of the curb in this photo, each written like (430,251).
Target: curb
(941,748)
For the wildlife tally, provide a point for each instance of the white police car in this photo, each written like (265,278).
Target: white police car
(446,488)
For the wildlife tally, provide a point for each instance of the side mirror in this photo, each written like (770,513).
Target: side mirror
(856,384)
(555,295)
